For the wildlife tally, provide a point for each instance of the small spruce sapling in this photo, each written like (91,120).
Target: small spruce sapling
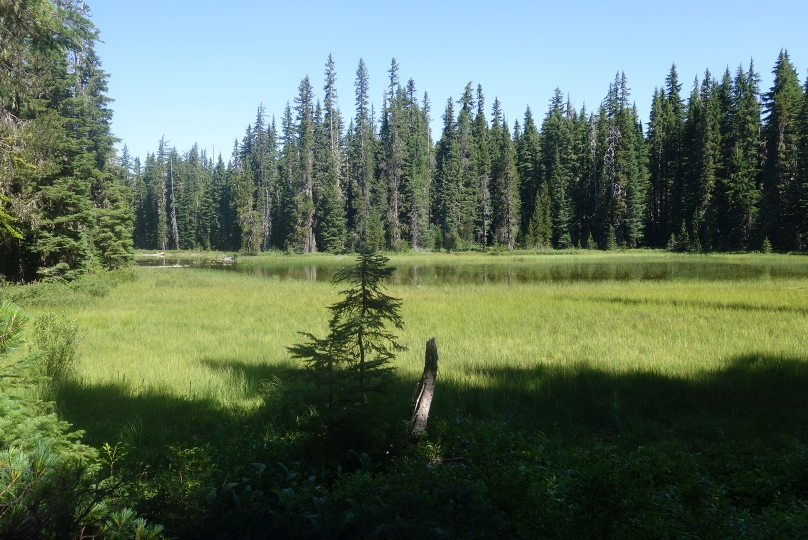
(355,357)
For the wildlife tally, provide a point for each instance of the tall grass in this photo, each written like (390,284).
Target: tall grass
(182,336)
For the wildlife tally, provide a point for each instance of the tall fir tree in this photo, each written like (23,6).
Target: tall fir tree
(417,180)
(447,202)
(331,231)
(529,165)
(483,210)
(556,146)
(803,168)
(506,191)
(304,183)
(779,212)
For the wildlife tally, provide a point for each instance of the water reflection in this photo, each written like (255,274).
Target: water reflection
(513,273)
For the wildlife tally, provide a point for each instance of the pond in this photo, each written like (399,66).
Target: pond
(512,270)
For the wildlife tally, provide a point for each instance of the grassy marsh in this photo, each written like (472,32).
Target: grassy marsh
(687,356)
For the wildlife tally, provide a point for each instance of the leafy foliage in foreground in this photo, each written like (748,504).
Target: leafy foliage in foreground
(483,479)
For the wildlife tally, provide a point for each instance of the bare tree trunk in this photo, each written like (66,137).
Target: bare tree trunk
(422,399)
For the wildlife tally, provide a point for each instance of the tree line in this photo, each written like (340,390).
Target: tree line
(720,169)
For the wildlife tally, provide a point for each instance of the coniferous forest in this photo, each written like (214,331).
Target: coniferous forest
(717,167)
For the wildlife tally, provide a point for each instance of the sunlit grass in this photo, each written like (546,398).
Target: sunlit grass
(214,336)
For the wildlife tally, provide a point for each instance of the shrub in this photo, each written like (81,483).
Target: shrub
(57,338)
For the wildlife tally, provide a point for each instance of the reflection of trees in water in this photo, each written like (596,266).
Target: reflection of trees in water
(464,274)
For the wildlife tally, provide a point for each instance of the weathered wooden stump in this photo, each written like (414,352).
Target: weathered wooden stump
(424,391)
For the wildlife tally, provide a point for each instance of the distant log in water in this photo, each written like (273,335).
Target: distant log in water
(422,399)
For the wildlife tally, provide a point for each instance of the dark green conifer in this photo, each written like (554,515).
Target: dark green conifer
(780,212)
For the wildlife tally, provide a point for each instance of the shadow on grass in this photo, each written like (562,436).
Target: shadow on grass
(255,373)
(152,417)
(753,398)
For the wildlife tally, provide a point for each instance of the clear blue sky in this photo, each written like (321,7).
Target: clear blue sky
(196,71)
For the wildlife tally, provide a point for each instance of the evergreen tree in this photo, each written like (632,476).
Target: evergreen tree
(540,229)
(393,156)
(261,152)
(658,192)
(529,167)
(224,230)
(157,183)
(740,193)
(304,225)
(330,212)
(482,158)
(556,147)
(288,164)
(57,170)
(447,203)
(779,212)
(665,160)
(506,191)
(803,167)
(468,189)
(363,218)
(417,173)
(355,359)
(249,219)
(703,159)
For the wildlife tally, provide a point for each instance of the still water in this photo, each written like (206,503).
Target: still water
(513,271)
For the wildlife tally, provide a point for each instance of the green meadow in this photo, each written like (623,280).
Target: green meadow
(580,394)
(181,352)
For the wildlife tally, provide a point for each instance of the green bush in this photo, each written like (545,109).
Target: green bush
(57,338)
(80,291)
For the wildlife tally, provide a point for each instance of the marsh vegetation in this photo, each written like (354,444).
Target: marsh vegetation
(627,378)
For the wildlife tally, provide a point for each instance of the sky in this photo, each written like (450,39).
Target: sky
(196,71)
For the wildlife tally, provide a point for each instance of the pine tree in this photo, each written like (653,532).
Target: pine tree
(305,182)
(529,167)
(284,237)
(703,159)
(157,182)
(779,212)
(540,229)
(506,191)
(393,156)
(417,171)
(556,146)
(483,211)
(803,169)
(260,149)
(363,218)
(447,202)
(468,188)
(355,358)
(742,157)
(56,157)
(330,212)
